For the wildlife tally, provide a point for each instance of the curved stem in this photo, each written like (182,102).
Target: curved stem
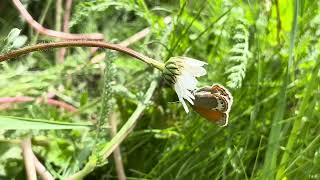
(81,43)
(26,15)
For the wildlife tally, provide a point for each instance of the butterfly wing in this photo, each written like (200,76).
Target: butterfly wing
(211,107)
(205,100)
(213,103)
(217,88)
(217,117)
(210,101)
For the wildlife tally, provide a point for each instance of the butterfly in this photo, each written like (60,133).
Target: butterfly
(213,103)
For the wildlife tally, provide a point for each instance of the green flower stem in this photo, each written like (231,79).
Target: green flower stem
(119,137)
(82,43)
(88,168)
(129,125)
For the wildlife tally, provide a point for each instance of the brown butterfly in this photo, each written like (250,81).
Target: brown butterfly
(213,103)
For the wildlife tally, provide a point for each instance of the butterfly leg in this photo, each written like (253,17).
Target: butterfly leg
(205,88)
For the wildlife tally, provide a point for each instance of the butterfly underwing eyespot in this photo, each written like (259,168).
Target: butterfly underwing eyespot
(213,103)
(222,91)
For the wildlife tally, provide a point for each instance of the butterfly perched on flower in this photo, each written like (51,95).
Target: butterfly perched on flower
(213,103)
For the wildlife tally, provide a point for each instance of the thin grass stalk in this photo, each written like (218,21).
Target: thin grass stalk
(298,122)
(117,152)
(313,144)
(66,19)
(272,152)
(256,159)
(58,25)
(41,20)
(256,107)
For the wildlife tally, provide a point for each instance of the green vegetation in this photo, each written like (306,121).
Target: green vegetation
(265,52)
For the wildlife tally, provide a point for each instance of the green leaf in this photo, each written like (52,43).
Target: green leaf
(13,123)
(19,42)
(13,41)
(14,33)
(84,98)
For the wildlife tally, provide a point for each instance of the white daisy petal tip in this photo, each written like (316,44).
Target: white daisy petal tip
(193,62)
(182,73)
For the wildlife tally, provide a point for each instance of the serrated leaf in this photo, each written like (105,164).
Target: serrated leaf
(239,36)
(237,50)
(238,58)
(240,45)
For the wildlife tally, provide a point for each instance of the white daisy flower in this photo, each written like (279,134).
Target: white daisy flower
(182,72)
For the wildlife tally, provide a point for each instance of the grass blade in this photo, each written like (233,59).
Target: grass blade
(14,123)
(274,137)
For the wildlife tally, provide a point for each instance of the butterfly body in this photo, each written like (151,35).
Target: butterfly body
(213,103)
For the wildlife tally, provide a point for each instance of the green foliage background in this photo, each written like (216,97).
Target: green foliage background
(268,59)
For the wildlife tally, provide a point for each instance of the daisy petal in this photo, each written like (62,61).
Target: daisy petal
(180,94)
(189,94)
(188,82)
(189,99)
(184,105)
(196,71)
(193,62)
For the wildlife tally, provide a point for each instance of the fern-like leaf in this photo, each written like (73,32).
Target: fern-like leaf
(239,55)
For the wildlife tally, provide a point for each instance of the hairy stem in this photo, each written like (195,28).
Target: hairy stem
(81,43)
